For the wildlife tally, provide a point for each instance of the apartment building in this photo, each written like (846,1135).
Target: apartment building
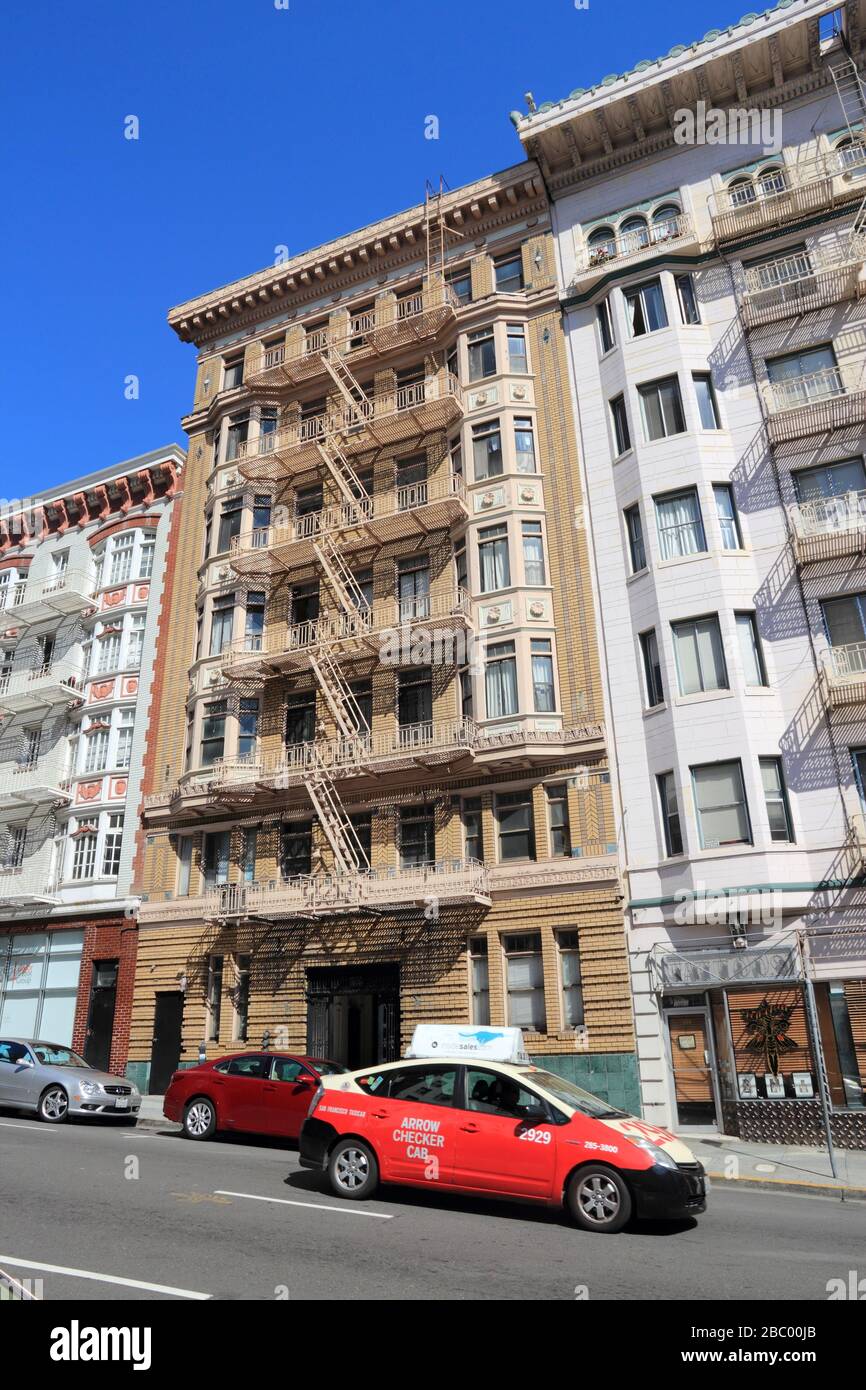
(712,292)
(388,799)
(80,585)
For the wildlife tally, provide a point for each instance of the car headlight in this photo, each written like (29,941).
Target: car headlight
(90,1088)
(659,1155)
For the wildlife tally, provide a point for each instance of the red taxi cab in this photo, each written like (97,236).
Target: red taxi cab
(258,1092)
(460,1118)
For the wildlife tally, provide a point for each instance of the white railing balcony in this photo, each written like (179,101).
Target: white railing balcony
(41,781)
(801,281)
(423,887)
(25,886)
(41,687)
(668,234)
(411,509)
(844,674)
(825,527)
(34,600)
(799,406)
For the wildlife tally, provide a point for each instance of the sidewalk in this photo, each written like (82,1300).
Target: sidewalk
(785,1167)
(151,1114)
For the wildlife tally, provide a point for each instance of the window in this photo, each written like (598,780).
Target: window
(214,996)
(247,859)
(634,532)
(121,557)
(236,436)
(145,559)
(543,693)
(254,621)
(413,586)
(14,847)
(480,980)
(619,418)
(424,1083)
(112,846)
(680,525)
(261,513)
(240,1030)
(233,375)
(845,621)
(533,553)
(108,650)
(686,299)
(473,843)
(525,982)
(222,618)
(467,694)
(720,803)
(493,557)
(524,444)
(296,848)
(213,733)
(461,283)
(28,750)
(800,377)
(231,517)
(705,395)
(248,727)
(557,820)
(482,354)
(572,983)
(508,273)
(662,408)
(652,669)
(776,800)
(95,748)
(700,659)
(360,709)
(726,511)
(670,813)
(516,825)
(491,1093)
(362,825)
(300,718)
(417,831)
(516,338)
(487,450)
(500,680)
(830,480)
(136,639)
(605,326)
(414,703)
(751,655)
(126,721)
(184,864)
(84,852)
(304,602)
(645,309)
(60,561)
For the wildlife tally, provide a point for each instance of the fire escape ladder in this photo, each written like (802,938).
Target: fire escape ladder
(350,485)
(345,586)
(345,710)
(852,95)
(350,857)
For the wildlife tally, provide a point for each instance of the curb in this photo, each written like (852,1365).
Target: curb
(805,1189)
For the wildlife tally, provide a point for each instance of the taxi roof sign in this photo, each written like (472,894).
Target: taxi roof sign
(462,1040)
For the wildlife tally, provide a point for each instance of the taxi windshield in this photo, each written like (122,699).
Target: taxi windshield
(569,1094)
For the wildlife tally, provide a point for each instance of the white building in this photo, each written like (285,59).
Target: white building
(81,576)
(712,307)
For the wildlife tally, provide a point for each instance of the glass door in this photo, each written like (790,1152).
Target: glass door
(692,1068)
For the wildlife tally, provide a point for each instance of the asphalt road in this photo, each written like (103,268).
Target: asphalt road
(114,1214)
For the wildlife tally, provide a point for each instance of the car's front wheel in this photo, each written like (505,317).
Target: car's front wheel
(54,1105)
(199,1118)
(352,1170)
(598,1199)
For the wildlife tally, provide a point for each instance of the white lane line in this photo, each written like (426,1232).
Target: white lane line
(35,1129)
(103,1278)
(308,1206)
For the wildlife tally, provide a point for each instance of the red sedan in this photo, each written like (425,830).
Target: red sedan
(257,1092)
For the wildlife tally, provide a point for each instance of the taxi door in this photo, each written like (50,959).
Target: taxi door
(411,1120)
(505,1143)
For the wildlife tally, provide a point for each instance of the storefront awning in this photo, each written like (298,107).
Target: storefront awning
(704,968)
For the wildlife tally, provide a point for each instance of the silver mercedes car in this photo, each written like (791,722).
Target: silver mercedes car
(56,1083)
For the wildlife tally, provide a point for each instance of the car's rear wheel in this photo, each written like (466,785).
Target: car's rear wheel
(199,1118)
(53,1105)
(598,1199)
(352,1170)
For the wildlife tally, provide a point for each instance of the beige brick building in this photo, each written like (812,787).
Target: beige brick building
(377,785)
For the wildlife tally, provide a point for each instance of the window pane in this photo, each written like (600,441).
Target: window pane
(750,651)
(720,804)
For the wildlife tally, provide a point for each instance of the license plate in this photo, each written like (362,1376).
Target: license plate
(121,1103)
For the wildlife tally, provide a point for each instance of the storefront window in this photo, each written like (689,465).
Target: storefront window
(39,983)
(772,1055)
(841,1008)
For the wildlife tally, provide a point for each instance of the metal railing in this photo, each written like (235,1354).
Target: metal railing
(846,664)
(633,245)
(305,894)
(53,678)
(26,882)
(803,280)
(58,592)
(830,516)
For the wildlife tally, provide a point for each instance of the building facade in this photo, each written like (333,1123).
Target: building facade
(80,587)
(389,799)
(712,289)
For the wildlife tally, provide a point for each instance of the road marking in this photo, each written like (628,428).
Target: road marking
(308,1206)
(104,1278)
(36,1129)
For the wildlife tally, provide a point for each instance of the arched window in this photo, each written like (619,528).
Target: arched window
(634,232)
(666,222)
(602,245)
(770,180)
(741,191)
(851,154)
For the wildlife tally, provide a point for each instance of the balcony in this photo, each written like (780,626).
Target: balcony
(41,687)
(793,192)
(349,637)
(434,504)
(34,784)
(673,234)
(388,417)
(418,319)
(374,890)
(832,399)
(35,600)
(802,281)
(826,527)
(26,886)
(843,675)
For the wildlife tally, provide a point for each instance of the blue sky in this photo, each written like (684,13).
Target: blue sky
(259,127)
